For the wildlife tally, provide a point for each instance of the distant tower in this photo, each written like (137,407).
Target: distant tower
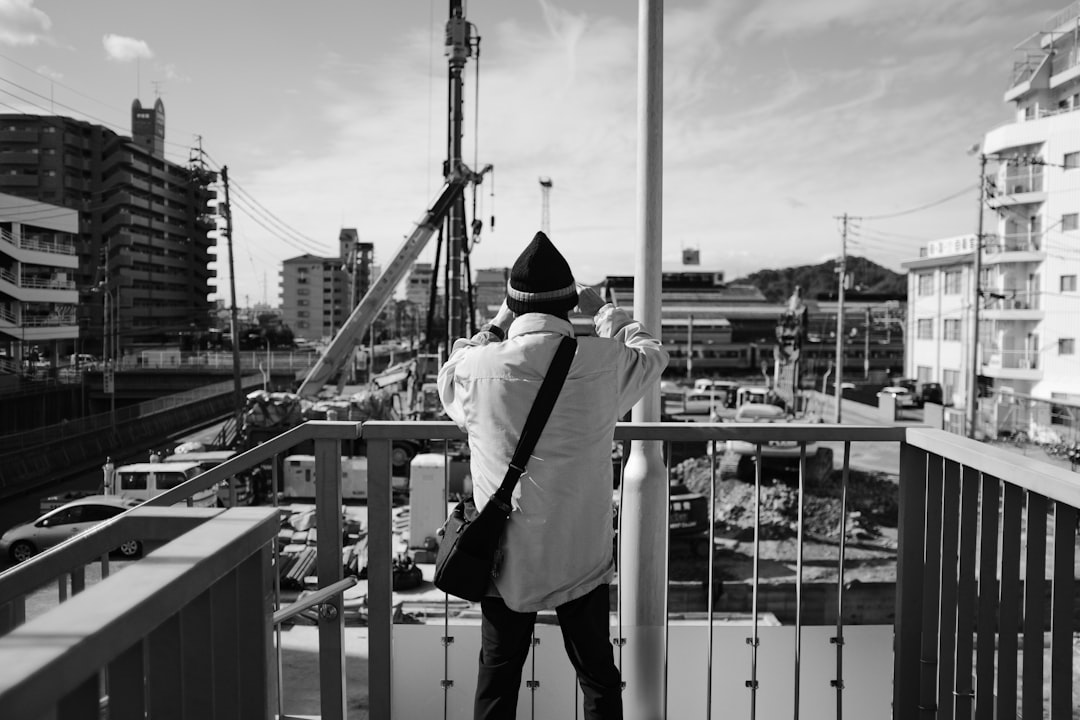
(148,127)
(545,205)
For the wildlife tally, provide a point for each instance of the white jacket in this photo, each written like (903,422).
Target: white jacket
(558,542)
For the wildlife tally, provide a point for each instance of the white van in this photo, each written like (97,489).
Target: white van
(299,478)
(142,481)
(207,459)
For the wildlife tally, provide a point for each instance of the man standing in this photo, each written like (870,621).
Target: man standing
(557,547)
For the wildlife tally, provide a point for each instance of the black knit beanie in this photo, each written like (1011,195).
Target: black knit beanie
(541,281)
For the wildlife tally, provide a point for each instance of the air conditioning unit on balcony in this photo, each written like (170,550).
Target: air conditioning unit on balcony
(1019,305)
(1019,189)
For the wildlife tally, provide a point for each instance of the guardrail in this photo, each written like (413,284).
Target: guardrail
(964,599)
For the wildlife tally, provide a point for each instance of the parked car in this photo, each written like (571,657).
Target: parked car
(931,393)
(903,397)
(54,527)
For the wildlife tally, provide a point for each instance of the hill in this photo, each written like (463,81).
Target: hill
(867,277)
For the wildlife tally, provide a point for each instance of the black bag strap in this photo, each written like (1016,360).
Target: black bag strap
(534,424)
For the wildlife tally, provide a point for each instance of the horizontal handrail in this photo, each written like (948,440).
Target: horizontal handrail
(139,523)
(1028,473)
(318,597)
(670,432)
(322,429)
(53,656)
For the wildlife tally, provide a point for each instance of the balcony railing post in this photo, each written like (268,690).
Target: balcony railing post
(329,564)
(380,578)
(909,579)
(928,669)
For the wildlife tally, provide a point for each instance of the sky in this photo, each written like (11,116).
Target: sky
(779,117)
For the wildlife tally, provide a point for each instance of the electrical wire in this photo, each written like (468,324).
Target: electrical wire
(942,201)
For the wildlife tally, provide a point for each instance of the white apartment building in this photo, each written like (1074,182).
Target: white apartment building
(1029,320)
(38,296)
(1031,256)
(938,334)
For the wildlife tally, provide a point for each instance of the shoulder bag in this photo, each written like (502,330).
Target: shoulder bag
(465,563)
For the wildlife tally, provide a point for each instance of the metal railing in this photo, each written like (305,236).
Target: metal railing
(1012,242)
(179,633)
(965,603)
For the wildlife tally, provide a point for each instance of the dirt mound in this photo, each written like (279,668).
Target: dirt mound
(872,502)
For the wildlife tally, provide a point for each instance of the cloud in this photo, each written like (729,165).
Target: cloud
(125,49)
(21,23)
(48,72)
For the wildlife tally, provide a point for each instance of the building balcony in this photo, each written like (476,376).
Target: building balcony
(1012,305)
(1012,365)
(1013,248)
(984,602)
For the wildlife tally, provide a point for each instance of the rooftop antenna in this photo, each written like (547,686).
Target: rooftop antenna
(545,205)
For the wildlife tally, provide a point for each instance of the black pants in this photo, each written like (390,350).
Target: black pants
(506,638)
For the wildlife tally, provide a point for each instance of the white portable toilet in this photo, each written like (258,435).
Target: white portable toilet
(428,504)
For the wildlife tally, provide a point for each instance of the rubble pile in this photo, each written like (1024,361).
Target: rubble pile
(872,502)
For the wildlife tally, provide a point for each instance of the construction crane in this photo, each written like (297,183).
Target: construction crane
(545,205)
(448,207)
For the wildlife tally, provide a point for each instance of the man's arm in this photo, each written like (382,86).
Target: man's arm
(494,331)
(643,359)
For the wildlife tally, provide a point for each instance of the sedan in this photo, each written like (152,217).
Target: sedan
(54,527)
(904,398)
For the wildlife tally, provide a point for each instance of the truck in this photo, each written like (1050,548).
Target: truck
(298,478)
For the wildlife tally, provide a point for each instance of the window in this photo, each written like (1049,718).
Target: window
(926,284)
(1066,346)
(924,374)
(100,512)
(169,480)
(133,481)
(68,516)
(950,379)
(951,331)
(951,282)
(924,329)
(1068,283)
(1071,161)
(1069,221)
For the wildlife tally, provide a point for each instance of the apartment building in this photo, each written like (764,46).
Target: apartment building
(939,322)
(38,296)
(143,220)
(1029,254)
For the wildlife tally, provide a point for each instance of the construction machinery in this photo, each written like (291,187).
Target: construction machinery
(403,392)
(780,403)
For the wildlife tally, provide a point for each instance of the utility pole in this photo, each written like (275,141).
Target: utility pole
(976,280)
(690,347)
(866,345)
(545,205)
(841,275)
(238,401)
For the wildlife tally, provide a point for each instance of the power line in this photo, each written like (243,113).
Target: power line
(942,201)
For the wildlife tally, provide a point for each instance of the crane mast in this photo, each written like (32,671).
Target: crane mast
(448,208)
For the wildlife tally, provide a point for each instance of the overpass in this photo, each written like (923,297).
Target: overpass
(39,458)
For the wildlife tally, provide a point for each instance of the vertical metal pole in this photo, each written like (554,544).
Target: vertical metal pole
(842,280)
(643,550)
(329,566)
(973,382)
